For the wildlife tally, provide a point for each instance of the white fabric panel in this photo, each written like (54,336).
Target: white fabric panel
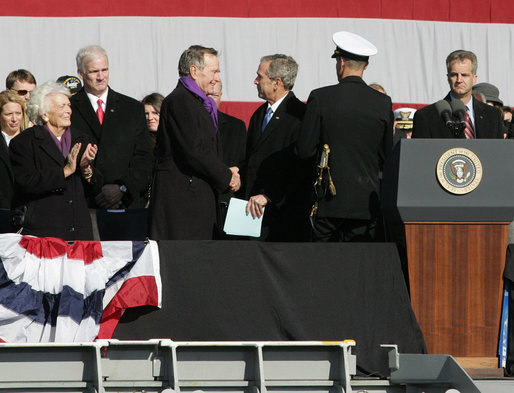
(144,51)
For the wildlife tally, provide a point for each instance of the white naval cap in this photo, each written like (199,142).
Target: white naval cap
(353,46)
(404,117)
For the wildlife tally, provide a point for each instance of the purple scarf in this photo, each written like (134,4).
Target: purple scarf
(208,102)
(64,144)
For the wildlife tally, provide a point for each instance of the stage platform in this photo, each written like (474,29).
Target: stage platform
(164,366)
(215,293)
(254,291)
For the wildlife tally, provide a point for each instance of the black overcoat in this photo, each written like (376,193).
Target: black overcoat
(356,122)
(55,206)
(273,169)
(125,153)
(233,141)
(189,171)
(6,176)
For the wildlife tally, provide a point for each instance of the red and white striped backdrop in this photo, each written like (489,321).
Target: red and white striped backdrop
(144,40)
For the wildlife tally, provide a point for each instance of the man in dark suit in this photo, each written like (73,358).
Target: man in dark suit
(273,176)
(356,122)
(190,172)
(116,123)
(484,120)
(233,141)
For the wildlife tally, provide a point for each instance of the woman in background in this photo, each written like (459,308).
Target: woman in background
(152,103)
(13,120)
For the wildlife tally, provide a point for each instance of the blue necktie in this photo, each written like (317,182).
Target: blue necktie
(267,118)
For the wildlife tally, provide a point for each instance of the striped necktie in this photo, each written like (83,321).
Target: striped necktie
(469,132)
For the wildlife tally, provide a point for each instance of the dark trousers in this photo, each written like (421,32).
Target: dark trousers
(332,229)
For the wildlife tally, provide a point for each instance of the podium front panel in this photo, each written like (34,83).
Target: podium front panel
(413,192)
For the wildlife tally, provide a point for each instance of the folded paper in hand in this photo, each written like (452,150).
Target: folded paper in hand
(240,224)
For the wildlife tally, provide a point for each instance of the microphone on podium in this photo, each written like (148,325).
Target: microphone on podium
(445,111)
(459,111)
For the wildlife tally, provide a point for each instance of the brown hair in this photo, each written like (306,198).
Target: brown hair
(461,55)
(19,75)
(154,99)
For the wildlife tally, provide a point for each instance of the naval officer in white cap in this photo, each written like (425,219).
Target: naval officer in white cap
(403,119)
(356,122)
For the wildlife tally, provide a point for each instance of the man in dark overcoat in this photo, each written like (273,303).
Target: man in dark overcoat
(117,124)
(190,172)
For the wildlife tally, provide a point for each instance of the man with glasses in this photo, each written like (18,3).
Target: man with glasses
(22,82)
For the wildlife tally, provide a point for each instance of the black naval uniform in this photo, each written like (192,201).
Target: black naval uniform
(356,122)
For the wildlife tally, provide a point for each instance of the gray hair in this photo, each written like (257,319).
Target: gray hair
(194,56)
(38,103)
(283,67)
(88,53)
(461,55)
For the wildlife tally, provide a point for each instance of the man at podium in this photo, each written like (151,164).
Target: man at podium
(458,115)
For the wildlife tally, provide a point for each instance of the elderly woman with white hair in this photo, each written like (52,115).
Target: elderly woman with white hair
(52,165)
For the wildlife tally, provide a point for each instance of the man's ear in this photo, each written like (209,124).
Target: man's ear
(193,72)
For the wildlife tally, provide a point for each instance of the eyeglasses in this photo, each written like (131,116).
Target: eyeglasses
(22,92)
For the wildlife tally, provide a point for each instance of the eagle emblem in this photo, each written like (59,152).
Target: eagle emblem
(405,115)
(460,171)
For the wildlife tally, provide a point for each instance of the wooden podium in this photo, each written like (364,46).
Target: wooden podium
(455,272)
(455,243)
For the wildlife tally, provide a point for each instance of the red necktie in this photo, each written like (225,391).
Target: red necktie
(100,112)
(468,131)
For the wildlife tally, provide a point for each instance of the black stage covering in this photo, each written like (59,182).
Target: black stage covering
(253,291)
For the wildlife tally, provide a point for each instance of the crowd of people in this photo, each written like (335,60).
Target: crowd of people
(310,170)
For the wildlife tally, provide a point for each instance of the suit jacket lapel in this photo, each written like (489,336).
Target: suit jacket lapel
(276,119)
(48,145)
(479,119)
(87,112)
(111,110)
(256,134)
